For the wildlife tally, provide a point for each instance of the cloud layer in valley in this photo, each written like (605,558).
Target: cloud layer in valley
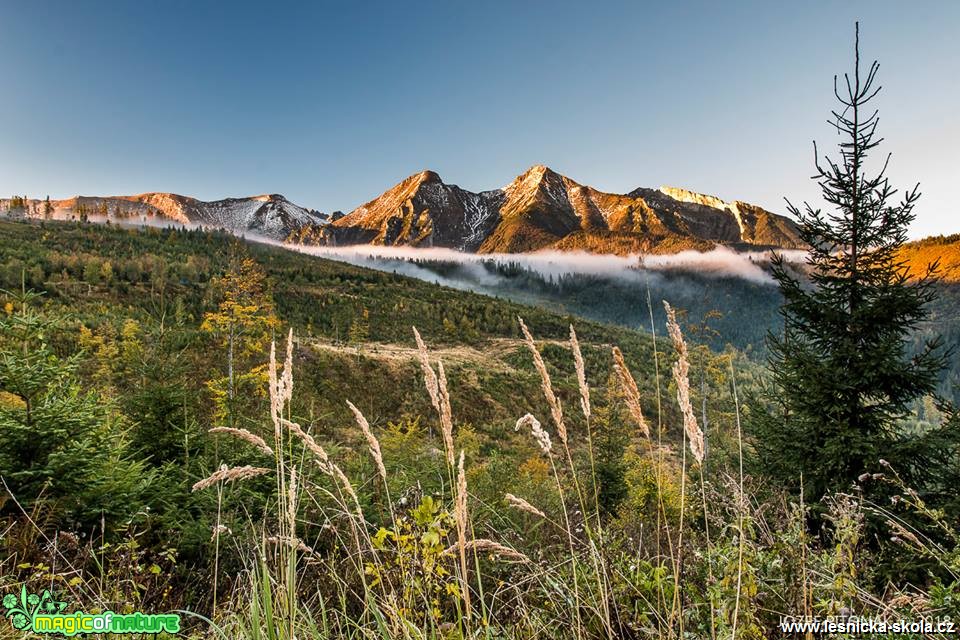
(719,262)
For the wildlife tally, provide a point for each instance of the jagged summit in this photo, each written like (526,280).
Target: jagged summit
(538,172)
(537,177)
(427,176)
(421,210)
(534,177)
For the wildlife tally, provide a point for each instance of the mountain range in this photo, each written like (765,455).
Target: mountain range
(540,209)
(271,215)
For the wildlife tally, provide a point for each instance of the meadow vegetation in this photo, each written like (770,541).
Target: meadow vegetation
(580,508)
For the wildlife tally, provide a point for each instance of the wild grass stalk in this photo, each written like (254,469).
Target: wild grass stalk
(438,390)
(694,434)
(556,413)
(543,440)
(216,551)
(741,502)
(288,485)
(461,516)
(482,545)
(546,385)
(681,377)
(375,452)
(436,384)
(594,534)
(523,505)
(585,406)
(229,474)
(662,522)
(630,391)
(446,414)
(245,435)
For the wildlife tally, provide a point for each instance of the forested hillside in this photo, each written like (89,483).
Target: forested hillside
(943,250)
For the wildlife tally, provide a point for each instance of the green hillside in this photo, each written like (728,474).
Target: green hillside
(353,322)
(117,363)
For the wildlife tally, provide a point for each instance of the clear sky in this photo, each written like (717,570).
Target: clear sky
(330,104)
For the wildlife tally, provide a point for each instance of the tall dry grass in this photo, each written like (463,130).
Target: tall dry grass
(588,571)
(570,574)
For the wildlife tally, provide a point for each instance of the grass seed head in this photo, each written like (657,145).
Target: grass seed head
(245,435)
(482,545)
(681,375)
(556,410)
(446,414)
(229,474)
(372,441)
(581,373)
(429,376)
(523,505)
(539,434)
(631,393)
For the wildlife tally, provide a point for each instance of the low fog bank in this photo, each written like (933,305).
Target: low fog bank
(485,270)
(732,291)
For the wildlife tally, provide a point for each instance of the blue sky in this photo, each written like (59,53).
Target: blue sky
(330,104)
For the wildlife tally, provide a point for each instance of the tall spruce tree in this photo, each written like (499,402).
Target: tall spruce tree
(842,375)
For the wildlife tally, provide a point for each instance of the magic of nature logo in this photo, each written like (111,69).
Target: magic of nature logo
(43,613)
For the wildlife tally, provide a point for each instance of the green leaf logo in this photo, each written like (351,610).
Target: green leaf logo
(21,608)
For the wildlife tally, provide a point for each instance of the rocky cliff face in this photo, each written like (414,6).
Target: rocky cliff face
(542,209)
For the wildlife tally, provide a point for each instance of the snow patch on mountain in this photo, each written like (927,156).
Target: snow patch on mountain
(479,210)
(692,197)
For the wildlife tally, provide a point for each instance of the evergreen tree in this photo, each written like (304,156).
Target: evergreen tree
(611,437)
(843,382)
(61,442)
